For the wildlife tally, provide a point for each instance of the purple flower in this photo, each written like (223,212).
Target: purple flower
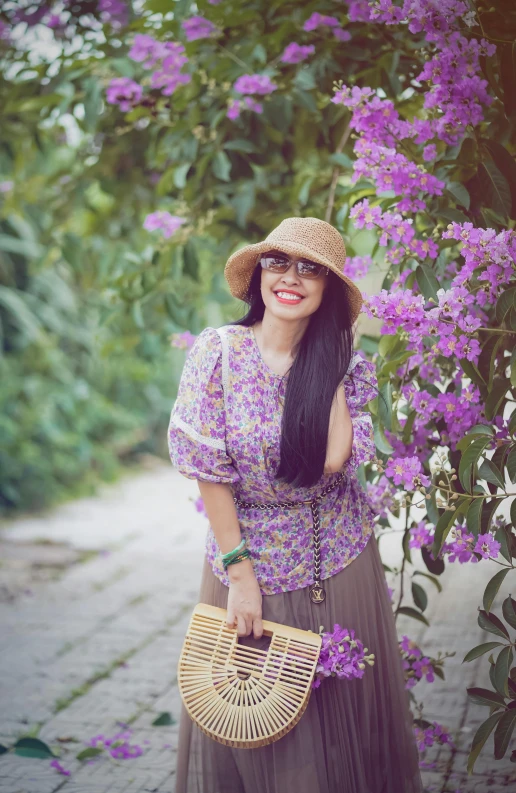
(406,471)
(341,656)
(254,84)
(114,12)
(59,768)
(183,341)
(295,53)
(423,668)
(420,535)
(316,20)
(487,546)
(163,221)
(198,27)
(357,267)
(6,187)
(124,92)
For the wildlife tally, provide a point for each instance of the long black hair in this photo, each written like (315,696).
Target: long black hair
(320,364)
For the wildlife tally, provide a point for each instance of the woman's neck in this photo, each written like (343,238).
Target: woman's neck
(278,339)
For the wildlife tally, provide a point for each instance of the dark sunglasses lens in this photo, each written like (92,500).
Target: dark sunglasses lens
(309,269)
(278,264)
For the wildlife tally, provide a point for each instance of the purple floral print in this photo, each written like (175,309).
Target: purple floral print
(237,441)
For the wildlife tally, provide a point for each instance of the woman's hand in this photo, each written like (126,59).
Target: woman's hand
(244,600)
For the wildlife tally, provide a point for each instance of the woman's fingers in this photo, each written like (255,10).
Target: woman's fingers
(258,628)
(241,626)
(230,618)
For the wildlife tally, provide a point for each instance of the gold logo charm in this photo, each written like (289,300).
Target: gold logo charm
(317,593)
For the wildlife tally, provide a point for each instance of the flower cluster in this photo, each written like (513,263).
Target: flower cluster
(167,56)
(396,231)
(295,53)
(464,547)
(434,734)
(247,103)
(124,92)
(249,85)
(457,92)
(113,12)
(421,535)
(381,496)
(357,267)
(183,341)
(416,666)
(317,20)
(254,84)
(341,656)
(198,27)
(494,254)
(407,471)
(163,221)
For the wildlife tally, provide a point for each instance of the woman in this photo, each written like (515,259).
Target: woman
(272,409)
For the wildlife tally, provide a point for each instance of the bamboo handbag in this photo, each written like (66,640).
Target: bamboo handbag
(241,696)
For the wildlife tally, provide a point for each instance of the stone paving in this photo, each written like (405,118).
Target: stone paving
(93,644)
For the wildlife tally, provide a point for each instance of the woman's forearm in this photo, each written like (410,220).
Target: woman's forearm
(340,434)
(221,511)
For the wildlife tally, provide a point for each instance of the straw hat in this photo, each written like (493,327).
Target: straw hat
(309,238)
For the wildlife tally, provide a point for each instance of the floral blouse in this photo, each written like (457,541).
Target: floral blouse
(226,427)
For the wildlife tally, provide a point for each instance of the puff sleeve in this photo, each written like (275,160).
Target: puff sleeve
(197,428)
(360,386)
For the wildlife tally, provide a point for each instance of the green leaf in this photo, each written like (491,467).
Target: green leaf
(473,517)
(427,282)
(504,304)
(490,473)
(381,442)
(491,624)
(190,260)
(507,56)
(484,696)
(460,193)
(511,465)
(509,611)
(408,611)
(480,737)
(503,539)
(496,396)
(435,581)
(385,405)
(435,566)
(221,166)
(180,175)
(91,751)
(445,523)
(476,652)
(503,733)
(492,588)
(28,248)
(506,164)
(501,673)
(239,144)
(420,596)
(469,460)
(33,747)
(163,720)
(495,188)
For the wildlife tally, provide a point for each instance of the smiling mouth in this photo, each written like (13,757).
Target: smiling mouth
(288,297)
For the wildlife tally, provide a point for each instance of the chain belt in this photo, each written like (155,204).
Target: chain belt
(316,592)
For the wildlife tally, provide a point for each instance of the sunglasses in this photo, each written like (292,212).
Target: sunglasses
(278,263)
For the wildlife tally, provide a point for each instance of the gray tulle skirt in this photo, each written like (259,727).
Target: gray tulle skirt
(355,735)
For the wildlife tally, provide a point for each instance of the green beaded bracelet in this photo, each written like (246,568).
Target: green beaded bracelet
(236,559)
(235,552)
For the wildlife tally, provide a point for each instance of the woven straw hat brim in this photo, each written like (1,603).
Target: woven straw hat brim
(241,264)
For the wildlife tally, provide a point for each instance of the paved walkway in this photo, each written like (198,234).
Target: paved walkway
(95,599)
